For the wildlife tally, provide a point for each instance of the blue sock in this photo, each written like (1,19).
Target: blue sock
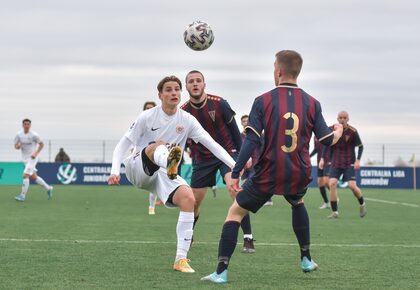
(227,244)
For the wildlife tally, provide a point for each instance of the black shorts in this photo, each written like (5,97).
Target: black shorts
(204,173)
(250,198)
(324,172)
(348,173)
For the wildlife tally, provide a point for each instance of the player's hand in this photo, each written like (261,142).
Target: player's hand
(33,156)
(248,163)
(357,165)
(114,179)
(18,146)
(235,186)
(338,128)
(230,184)
(321,164)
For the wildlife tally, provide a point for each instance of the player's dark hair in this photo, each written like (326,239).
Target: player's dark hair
(244,116)
(168,79)
(290,61)
(194,72)
(148,103)
(26,120)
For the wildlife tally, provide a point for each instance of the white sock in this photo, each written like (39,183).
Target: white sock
(184,232)
(161,156)
(42,182)
(248,236)
(25,186)
(152,199)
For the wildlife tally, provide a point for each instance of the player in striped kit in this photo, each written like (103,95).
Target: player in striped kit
(159,136)
(218,119)
(287,115)
(344,162)
(323,169)
(31,145)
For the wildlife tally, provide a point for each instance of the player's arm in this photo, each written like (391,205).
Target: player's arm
(117,157)
(359,152)
(216,149)
(38,150)
(18,145)
(229,116)
(324,133)
(251,142)
(236,134)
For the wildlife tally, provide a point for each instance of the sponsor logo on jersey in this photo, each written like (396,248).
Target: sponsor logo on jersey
(212,115)
(67,173)
(180,129)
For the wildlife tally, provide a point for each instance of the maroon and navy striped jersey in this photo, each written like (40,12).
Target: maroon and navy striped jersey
(287,115)
(343,152)
(256,152)
(214,115)
(322,152)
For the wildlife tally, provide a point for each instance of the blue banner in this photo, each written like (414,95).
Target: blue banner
(380,177)
(97,174)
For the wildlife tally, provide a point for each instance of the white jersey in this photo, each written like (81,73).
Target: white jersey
(154,124)
(29,142)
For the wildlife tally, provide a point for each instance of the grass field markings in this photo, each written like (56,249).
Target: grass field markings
(392,202)
(202,243)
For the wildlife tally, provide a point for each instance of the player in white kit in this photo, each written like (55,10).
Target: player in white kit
(31,145)
(159,136)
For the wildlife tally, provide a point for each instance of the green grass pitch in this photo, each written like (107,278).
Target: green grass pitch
(99,237)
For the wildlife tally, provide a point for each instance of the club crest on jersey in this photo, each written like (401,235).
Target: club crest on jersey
(179,129)
(212,115)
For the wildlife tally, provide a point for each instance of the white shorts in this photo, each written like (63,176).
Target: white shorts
(159,183)
(30,166)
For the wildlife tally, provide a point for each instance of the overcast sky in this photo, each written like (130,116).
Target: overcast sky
(82,69)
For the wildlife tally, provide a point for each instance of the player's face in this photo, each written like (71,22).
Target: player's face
(244,122)
(26,126)
(170,95)
(195,85)
(343,118)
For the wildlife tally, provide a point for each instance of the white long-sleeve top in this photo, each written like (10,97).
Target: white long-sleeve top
(154,124)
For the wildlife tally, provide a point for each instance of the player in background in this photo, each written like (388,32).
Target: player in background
(159,136)
(344,162)
(218,119)
(254,156)
(152,197)
(287,115)
(323,168)
(31,145)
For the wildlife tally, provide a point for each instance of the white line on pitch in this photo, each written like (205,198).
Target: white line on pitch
(392,202)
(202,243)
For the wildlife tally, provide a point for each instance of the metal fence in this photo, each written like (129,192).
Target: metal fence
(101,151)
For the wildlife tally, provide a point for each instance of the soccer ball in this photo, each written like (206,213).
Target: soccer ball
(198,35)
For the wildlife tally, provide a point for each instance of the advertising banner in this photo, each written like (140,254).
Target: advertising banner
(11,172)
(97,174)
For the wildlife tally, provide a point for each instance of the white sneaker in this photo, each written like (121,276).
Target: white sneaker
(333,215)
(363,210)
(325,205)
(20,197)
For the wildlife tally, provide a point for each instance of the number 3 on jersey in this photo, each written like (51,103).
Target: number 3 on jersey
(291,132)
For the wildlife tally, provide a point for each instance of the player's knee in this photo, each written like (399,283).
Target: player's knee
(333,182)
